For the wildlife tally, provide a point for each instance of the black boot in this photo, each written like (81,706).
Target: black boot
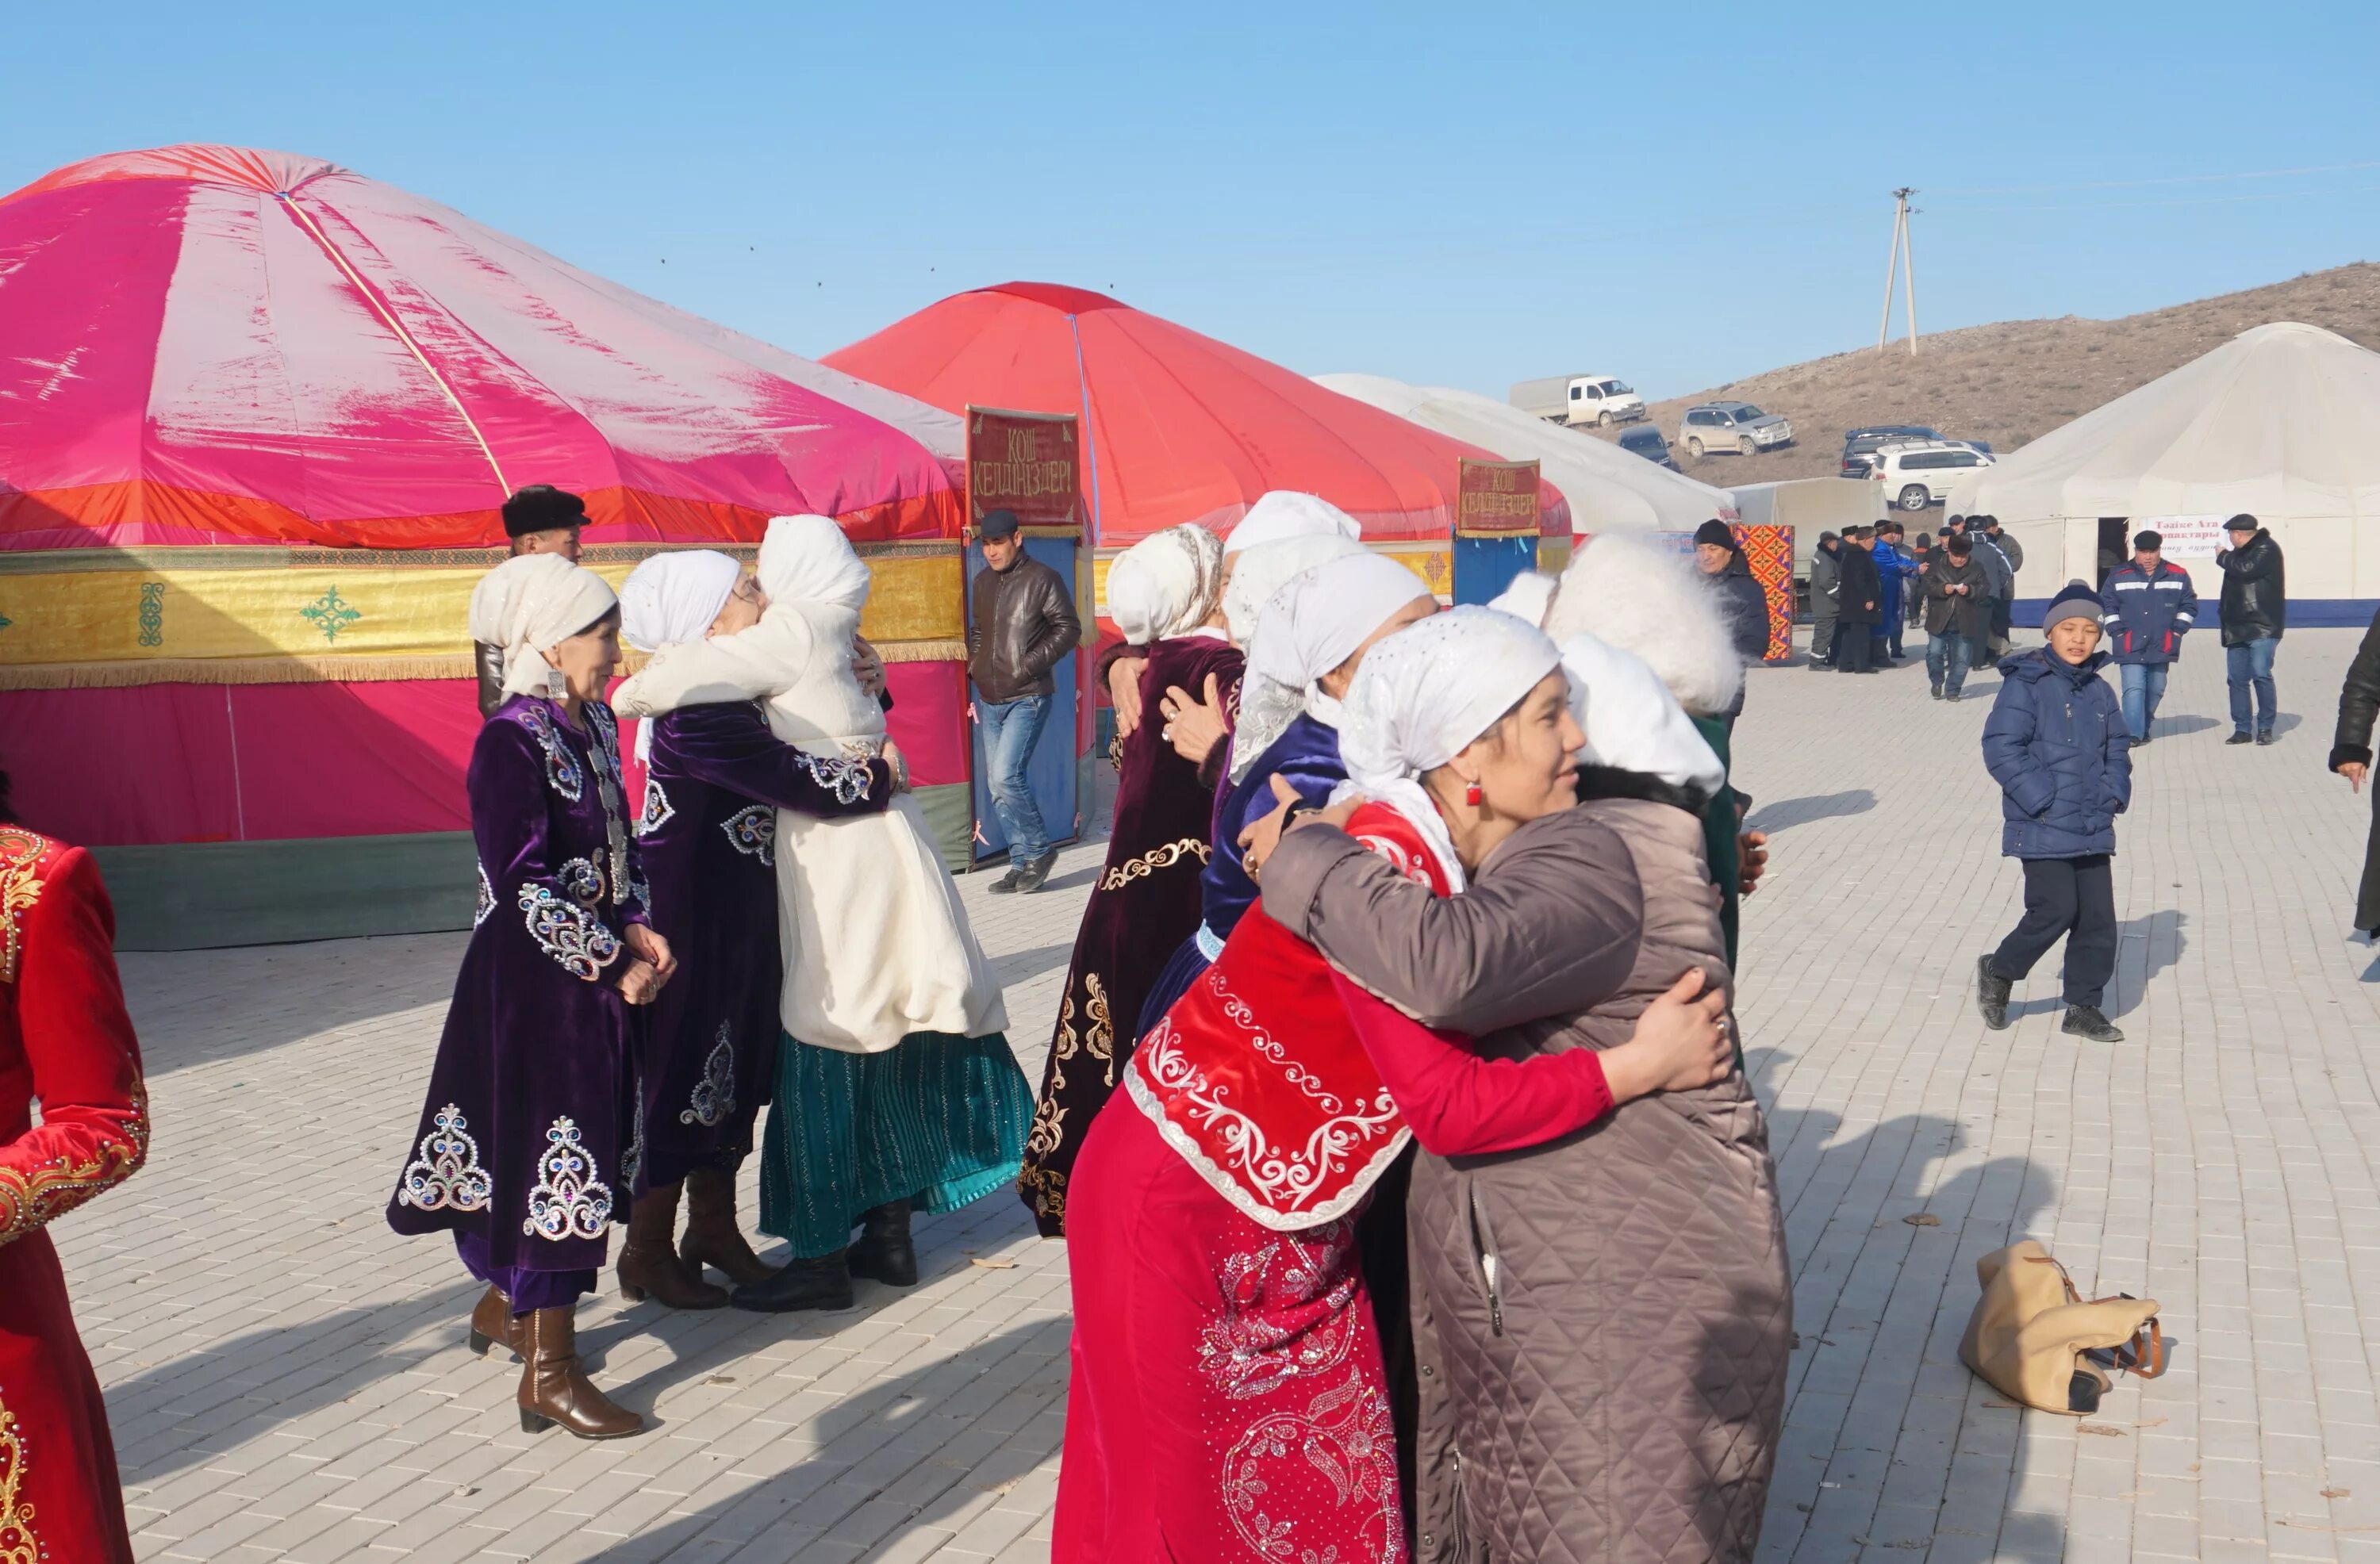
(884,1253)
(821,1283)
(2090,1022)
(1992,994)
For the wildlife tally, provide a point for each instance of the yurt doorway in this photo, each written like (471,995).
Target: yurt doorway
(2114,548)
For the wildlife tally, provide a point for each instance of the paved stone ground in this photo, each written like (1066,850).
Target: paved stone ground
(288,1379)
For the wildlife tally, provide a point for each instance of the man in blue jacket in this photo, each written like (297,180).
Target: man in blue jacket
(2150,605)
(2056,744)
(1896,569)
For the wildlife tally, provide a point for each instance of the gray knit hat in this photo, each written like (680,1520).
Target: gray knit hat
(2075,601)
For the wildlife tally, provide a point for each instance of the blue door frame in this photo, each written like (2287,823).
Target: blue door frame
(1485,566)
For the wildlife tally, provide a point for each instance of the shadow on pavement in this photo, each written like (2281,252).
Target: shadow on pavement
(2162,941)
(912,1452)
(2174,727)
(194,1007)
(1786,813)
(1889,1442)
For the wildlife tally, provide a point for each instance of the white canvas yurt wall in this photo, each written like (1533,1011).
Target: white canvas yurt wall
(2281,423)
(1609,490)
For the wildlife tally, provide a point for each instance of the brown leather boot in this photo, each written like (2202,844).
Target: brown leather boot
(712,1237)
(553,1389)
(492,1323)
(648,1265)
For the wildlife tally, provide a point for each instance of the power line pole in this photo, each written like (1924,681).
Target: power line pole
(1902,260)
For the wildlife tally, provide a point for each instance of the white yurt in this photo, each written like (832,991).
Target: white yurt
(1609,490)
(2281,423)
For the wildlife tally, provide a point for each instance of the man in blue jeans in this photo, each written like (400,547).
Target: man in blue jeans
(2150,606)
(1021,624)
(2255,612)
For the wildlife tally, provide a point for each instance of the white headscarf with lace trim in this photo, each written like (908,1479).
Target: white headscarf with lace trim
(1311,626)
(1165,585)
(1425,693)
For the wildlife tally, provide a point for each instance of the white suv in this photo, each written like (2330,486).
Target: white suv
(1919,473)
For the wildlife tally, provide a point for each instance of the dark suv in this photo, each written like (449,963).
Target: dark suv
(1646,442)
(1859,442)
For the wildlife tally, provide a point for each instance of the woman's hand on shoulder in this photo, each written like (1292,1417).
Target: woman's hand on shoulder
(1261,836)
(1191,726)
(1680,1042)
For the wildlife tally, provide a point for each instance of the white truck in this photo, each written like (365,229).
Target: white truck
(1600,400)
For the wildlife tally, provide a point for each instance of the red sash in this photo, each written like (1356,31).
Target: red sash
(1257,1078)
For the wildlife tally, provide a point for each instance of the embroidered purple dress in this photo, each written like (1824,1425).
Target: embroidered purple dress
(525,1146)
(1306,756)
(1145,903)
(713,786)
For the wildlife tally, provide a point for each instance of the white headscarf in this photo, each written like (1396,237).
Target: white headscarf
(531,603)
(1310,626)
(1284,513)
(1632,721)
(1259,572)
(673,598)
(1530,597)
(1165,585)
(805,559)
(1425,693)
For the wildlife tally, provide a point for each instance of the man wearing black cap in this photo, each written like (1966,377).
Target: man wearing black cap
(1742,603)
(1862,603)
(2255,610)
(2151,604)
(1021,625)
(539,519)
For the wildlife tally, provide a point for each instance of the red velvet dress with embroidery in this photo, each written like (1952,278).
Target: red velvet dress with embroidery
(1227,1400)
(65,1039)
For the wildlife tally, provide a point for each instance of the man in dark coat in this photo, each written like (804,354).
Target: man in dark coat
(2056,744)
(2151,604)
(2255,611)
(2350,756)
(1955,611)
(1742,603)
(1825,598)
(1862,603)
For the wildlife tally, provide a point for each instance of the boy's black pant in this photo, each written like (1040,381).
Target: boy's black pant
(2074,898)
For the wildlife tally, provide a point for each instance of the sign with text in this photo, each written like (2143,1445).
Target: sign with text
(1027,463)
(1496,498)
(2186,536)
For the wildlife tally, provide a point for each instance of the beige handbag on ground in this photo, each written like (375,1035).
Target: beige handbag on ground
(2037,1341)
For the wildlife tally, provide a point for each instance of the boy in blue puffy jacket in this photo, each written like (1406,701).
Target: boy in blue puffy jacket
(2057,743)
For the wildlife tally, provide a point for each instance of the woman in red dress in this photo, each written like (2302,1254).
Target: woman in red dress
(65,1039)
(1228,1402)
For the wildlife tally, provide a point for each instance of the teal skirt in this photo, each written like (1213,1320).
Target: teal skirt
(938,1120)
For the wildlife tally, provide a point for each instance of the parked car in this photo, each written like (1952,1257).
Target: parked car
(1916,474)
(1733,426)
(1600,400)
(1649,443)
(1859,444)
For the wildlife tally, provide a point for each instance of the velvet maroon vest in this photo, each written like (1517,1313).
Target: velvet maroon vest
(1257,1077)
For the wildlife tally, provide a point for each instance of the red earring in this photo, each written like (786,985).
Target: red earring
(1471,795)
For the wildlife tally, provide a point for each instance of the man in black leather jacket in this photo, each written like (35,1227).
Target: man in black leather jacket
(540,519)
(2350,756)
(2255,612)
(1021,623)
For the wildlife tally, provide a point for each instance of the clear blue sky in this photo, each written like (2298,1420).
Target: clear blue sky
(1676,193)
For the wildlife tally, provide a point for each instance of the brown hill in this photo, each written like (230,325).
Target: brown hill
(2013,382)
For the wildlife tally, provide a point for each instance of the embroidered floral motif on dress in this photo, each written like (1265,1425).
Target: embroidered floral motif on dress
(487,899)
(35,1197)
(569,1199)
(632,1161)
(582,880)
(571,934)
(18,1543)
(447,1175)
(560,767)
(659,810)
(20,887)
(1155,858)
(714,1094)
(847,779)
(754,831)
(1290,1330)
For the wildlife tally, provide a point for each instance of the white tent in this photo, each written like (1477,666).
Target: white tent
(1609,490)
(2282,422)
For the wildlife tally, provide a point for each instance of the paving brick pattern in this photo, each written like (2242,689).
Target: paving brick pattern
(288,1379)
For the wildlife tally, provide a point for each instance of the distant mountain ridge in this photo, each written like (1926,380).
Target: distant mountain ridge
(2013,382)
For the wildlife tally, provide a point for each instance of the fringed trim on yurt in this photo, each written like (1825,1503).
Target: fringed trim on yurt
(230,671)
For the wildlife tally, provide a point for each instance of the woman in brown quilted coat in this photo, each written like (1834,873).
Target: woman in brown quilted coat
(1601,1322)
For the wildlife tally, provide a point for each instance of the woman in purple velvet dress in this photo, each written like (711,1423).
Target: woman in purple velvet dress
(1164,594)
(715,778)
(526,1147)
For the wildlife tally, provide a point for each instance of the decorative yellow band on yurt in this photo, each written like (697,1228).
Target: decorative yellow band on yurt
(1434,565)
(310,616)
